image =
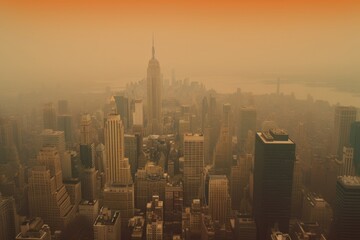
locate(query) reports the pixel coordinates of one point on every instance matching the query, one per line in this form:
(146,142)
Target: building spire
(153,47)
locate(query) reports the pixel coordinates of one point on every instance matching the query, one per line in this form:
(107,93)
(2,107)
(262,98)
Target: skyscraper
(247,122)
(223,149)
(154,96)
(273,177)
(117,168)
(138,114)
(47,194)
(344,117)
(347,209)
(107,225)
(7,218)
(218,198)
(50,137)
(119,188)
(49,116)
(64,123)
(193,166)
(347,164)
(355,144)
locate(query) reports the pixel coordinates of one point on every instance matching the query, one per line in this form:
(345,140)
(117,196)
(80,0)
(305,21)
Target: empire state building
(154,96)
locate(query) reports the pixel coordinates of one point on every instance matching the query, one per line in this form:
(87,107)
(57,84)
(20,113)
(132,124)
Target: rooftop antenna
(153,46)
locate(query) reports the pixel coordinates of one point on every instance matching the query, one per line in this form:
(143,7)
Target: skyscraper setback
(154,96)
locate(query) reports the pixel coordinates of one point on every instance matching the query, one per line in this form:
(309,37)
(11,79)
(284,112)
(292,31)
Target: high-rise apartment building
(273,178)
(218,198)
(193,166)
(344,117)
(154,96)
(346,220)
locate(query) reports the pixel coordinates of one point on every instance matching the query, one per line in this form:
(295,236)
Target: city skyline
(179,120)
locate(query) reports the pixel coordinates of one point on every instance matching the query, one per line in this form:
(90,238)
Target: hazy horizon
(62,42)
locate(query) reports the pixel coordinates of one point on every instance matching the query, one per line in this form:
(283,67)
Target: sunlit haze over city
(179,120)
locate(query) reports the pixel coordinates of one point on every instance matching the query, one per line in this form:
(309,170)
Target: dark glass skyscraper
(355,143)
(347,209)
(273,176)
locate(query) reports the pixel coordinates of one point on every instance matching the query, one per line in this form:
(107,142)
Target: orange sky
(106,38)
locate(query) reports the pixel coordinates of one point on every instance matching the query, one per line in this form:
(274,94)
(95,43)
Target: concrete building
(132,151)
(173,207)
(347,167)
(155,219)
(48,198)
(34,229)
(193,166)
(65,124)
(218,198)
(223,149)
(89,209)
(7,218)
(107,225)
(344,117)
(316,209)
(355,144)
(148,182)
(49,137)
(239,179)
(49,116)
(245,227)
(246,123)
(306,231)
(154,96)
(138,114)
(137,228)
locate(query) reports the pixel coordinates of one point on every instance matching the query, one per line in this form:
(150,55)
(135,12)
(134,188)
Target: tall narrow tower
(154,95)
(119,190)
(273,177)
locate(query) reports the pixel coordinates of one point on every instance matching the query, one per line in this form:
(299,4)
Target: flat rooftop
(275,136)
(350,181)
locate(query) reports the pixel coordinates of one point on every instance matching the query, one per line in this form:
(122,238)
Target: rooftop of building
(33,229)
(106,217)
(88,202)
(217,177)
(280,236)
(350,181)
(275,136)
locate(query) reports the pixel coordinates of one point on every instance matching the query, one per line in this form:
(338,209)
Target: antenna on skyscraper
(153,46)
